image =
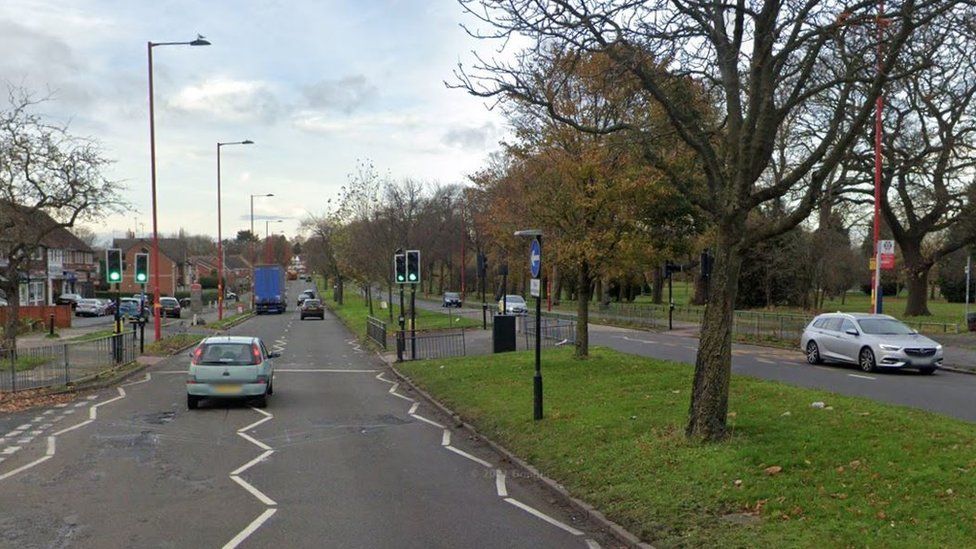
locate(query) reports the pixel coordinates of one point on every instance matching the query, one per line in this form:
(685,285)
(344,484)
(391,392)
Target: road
(944,392)
(342,457)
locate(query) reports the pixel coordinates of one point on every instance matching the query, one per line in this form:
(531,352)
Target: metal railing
(64,363)
(554,330)
(426,345)
(376,331)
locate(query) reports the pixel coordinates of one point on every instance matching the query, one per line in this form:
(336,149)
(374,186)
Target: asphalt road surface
(341,457)
(944,392)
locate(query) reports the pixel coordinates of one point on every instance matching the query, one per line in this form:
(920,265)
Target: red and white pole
(879,108)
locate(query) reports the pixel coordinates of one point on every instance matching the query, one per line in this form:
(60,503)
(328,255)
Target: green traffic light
(114,276)
(413,277)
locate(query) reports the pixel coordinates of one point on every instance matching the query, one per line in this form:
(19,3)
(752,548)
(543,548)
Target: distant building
(173,266)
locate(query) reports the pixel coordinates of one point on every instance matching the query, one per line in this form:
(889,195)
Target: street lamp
(220,238)
(200,41)
(535,262)
(267,238)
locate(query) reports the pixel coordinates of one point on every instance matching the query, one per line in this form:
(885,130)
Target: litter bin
(503,334)
(971,321)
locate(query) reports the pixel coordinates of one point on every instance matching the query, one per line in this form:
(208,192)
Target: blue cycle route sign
(535,258)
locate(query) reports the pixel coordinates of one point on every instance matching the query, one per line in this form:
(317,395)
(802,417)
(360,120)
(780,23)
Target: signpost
(535,266)
(885,260)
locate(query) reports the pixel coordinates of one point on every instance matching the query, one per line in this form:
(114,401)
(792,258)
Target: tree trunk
(583,312)
(700,289)
(557,286)
(713,364)
(916,279)
(389,300)
(657,286)
(9,343)
(369,298)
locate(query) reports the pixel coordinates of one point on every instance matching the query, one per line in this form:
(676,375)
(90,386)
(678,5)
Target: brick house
(172,264)
(62,263)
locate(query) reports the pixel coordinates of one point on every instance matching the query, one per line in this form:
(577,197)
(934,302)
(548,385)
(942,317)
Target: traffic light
(413,266)
(400,268)
(113,263)
(142,268)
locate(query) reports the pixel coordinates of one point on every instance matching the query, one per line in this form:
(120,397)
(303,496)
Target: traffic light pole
(413,322)
(400,338)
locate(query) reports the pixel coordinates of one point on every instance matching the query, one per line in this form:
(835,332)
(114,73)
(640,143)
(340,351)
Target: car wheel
(813,353)
(261,401)
(271,386)
(866,360)
(927,371)
(192,402)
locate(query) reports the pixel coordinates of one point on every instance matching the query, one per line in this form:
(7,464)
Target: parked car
(451,299)
(515,305)
(130,307)
(169,306)
(313,308)
(230,367)
(870,341)
(231,296)
(307,294)
(109,306)
(90,307)
(68,299)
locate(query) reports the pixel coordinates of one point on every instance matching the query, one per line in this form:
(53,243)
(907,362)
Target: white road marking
(430,421)
(23,427)
(91,397)
(251,463)
(37,418)
(469,456)
(765,361)
(80,404)
(10,450)
(24,440)
(543,516)
(408,399)
(62,405)
(25,467)
(380,377)
(251,528)
(500,483)
(446,438)
(254,491)
(36,432)
(414,408)
(47,412)
(12,434)
(253,425)
(254,441)
(93,411)
(590,544)
(859,376)
(50,446)
(73,427)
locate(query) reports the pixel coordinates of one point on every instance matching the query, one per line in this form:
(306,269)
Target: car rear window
(451,295)
(226,354)
(312,303)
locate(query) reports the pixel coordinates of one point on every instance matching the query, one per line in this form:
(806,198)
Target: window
(847,325)
(884,326)
(820,322)
(37,254)
(833,324)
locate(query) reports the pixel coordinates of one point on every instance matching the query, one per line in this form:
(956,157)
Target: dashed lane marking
(446,438)
(256,523)
(543,516)
(859,376)
(500,483)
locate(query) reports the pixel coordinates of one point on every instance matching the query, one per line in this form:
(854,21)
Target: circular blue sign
(535,258)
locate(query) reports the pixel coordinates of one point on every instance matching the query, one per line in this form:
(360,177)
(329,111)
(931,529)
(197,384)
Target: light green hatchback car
(230,367)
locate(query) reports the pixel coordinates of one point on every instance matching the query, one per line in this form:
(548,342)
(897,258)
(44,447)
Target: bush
(208,282)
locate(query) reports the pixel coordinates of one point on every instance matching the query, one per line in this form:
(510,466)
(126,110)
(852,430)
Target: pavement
(343,456)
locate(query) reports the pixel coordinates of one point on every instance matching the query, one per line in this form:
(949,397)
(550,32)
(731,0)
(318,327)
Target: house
(238,272)
(201,266)
(61,263)
(173,270)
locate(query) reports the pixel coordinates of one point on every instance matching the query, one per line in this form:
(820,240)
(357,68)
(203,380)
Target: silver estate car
(870,341)
(230,367)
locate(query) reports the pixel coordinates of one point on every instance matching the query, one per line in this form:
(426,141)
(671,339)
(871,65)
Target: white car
(513,305)
(90,307)
(869,341)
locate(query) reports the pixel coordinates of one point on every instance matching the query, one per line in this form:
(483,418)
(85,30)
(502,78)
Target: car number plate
(227,389)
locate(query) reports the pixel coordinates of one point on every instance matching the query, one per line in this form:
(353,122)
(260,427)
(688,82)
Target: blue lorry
(269,289)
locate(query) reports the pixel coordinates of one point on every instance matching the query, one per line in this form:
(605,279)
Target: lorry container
(269,289)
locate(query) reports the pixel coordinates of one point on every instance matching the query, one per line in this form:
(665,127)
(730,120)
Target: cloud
(324,123)
(343,95)
(231,100)
(40,61)
(471,137)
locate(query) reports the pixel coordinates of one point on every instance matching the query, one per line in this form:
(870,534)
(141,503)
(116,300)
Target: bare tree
(759,65)
(49,180)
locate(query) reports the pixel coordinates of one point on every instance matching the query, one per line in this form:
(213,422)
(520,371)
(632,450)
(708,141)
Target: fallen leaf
(774,470)
(839,495)
(738,482)
(882,515)
(949,492)
(840,469)
(855,464)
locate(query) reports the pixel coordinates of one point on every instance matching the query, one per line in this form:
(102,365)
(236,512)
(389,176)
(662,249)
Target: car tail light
(197,353)
(256,352)
(263,379)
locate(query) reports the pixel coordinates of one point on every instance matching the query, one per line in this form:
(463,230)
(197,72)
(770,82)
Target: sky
(317,85)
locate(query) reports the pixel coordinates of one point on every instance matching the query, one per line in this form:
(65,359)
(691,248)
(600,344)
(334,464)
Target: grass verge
(173,343)
(857,473)
(229,321)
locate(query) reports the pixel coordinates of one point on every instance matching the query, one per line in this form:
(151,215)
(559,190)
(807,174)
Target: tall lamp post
(535,263)
(220,238)
(200,41)
(267,238)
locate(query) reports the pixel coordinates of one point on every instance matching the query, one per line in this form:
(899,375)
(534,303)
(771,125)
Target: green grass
(229,321)
(172,344)
(861,474)
(91,336)
(24,363)
(354,312)
(942,311)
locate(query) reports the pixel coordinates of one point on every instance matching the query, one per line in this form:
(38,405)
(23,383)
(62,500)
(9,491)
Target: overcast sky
(317,84)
